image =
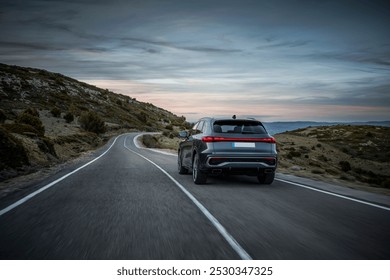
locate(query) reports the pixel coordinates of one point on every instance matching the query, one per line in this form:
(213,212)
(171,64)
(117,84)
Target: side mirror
(183,134)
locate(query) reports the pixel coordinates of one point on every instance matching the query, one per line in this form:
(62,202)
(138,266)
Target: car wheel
(266,178)
(198,176)
(180,167)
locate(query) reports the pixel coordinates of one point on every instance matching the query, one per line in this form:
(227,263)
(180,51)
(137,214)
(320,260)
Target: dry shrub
(12,152)
(30,117)
(90,121)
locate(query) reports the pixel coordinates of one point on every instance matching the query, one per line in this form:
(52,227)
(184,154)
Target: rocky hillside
(346,154)
(46,118)
(21,88)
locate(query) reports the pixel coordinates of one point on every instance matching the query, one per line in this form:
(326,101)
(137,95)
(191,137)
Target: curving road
(131,203)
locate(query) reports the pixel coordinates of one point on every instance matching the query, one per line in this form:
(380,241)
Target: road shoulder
(376,198)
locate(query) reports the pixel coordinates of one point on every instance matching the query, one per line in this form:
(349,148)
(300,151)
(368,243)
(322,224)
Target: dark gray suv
(232,146)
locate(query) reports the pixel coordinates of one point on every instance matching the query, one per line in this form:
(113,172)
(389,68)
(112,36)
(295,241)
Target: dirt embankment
(59,142)
(352,156)
(28,156)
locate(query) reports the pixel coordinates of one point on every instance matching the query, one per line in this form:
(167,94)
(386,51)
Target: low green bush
(56,112)
(293,154)
(12,152)
(34,121)
(3,116)
(90,121)
(150,141)
(69,117)
(32,111)
(386,184)
(47,146)
(21,128)
(345,166)
(323,158)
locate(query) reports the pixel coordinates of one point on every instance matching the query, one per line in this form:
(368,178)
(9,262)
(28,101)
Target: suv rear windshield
(239,126)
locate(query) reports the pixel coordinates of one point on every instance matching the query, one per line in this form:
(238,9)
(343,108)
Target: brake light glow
(209,139)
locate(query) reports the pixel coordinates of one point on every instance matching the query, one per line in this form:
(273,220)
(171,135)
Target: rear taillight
(208,139)
(212,139)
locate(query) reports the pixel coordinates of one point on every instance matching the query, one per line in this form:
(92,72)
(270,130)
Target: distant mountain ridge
(280,127)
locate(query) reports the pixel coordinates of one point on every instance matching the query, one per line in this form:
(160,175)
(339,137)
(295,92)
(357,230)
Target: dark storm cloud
(175,46)
(285,44)
(209,49)
(280,52)
(27,47)
(373,57)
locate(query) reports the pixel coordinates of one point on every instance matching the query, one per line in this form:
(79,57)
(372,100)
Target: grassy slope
(346,154)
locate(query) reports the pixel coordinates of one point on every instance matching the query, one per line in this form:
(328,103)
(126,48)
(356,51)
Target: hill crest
(22,87)
(47,118)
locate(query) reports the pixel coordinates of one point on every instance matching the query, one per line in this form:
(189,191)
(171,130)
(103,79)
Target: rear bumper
(250,165)
(216,161)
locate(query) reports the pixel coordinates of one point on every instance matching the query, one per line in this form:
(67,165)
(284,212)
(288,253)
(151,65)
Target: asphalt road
(122,206)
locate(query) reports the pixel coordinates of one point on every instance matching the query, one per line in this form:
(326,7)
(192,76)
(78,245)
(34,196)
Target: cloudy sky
(274,60)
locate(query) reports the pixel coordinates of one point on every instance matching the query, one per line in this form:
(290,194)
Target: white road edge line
(335,194)
(228,237)
(31,195)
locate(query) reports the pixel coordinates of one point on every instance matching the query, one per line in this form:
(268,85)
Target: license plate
(243,145)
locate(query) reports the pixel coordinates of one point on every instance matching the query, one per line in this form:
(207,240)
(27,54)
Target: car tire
(198,176)
(180,167)
(266,178)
